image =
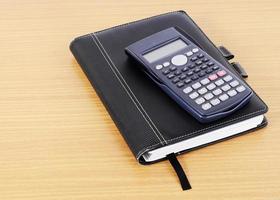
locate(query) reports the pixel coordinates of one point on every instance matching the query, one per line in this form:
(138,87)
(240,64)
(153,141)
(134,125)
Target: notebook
(151,123)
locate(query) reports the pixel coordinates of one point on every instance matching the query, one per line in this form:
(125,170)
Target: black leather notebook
(152,124)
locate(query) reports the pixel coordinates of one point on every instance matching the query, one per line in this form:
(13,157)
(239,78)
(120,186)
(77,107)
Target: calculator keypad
(201,79)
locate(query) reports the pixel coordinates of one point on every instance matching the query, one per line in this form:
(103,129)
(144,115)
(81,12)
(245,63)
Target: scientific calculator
(197,82)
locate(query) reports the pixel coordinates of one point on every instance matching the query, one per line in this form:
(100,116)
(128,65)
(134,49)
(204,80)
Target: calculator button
(170,76)
(179,60)
(226,87)
(204,81)
(196,85)
(228,78)
(206,106)
(210,63)
(183,76)
(195,50)
(166,64)
(158,67)
(194,77)
(193,95)
(217,91)
(215,67)
(165,72)
(221,73)
(198,62)
(240,88)
(202,90)
(189,53)
(208,96)
(173,68)
(180,84)
(213,77)
(208,71)
(200,55)
(211,86)
(196,70)
(175,80)
(200,100)
(232,93)
(185,69)
(201,74)
(190,73)
(223,97)
(194,58)
(177,73)
(187,81)
(192,66)
(219,82)
(234,83)
(205,60)
(215,102)
(187,90)
(203,66)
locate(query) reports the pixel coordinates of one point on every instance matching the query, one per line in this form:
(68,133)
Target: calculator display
(165,50)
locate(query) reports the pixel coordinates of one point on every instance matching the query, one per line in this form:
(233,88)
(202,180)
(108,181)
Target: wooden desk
(58,142)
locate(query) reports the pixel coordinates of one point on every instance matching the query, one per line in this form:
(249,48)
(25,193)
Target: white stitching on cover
(113,64)
(124,82)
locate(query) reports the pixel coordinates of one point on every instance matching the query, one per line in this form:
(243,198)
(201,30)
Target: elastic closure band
(179,171)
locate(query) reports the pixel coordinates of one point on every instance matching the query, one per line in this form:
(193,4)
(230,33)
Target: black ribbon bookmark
(179,171)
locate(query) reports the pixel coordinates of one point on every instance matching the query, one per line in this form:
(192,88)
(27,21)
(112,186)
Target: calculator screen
(165,50)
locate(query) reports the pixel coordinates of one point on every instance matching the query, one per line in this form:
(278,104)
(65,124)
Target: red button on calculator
(221,73)
(213,77)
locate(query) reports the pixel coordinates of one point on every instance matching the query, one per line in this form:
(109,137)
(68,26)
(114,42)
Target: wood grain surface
(58,142)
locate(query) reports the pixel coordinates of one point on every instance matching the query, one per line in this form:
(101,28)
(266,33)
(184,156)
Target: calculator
(196,81)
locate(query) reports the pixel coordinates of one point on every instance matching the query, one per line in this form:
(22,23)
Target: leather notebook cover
(147,117)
